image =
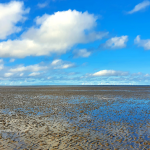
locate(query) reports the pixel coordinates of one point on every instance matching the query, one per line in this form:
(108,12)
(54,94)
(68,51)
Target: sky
(74,42)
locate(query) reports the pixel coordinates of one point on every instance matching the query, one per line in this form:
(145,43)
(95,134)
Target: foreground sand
(74,118)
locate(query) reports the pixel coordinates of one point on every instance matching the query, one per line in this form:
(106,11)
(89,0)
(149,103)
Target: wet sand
(75,118)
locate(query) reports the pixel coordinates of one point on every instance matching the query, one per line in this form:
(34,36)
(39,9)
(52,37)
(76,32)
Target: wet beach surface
(75,118)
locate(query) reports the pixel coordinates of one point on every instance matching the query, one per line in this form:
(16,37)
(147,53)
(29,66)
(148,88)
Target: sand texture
(75,118)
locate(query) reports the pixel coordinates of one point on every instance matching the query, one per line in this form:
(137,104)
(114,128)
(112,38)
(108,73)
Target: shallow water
(119,118)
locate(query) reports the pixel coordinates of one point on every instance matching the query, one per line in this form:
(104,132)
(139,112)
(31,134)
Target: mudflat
(75,118)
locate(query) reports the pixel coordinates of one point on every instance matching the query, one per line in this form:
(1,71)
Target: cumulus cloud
(136,74)
(140,6)
(42,5)
(56,64)
(110,73)
(49,78)
(65,66)
(81,53)
(34,68)
(12,60)
(55,33)
(1,60)
(142,43)
(147,75)
(21,74)
(1,66)
(116,42)
(10,14)
(34,74)
(60,64)
(8,74)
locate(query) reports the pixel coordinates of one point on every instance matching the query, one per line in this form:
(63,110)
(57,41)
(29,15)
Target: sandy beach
(75,118)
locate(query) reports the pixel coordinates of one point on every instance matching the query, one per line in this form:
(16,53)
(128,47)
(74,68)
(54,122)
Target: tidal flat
(75,118)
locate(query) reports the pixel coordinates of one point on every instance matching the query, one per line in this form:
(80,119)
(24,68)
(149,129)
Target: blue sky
(63,42)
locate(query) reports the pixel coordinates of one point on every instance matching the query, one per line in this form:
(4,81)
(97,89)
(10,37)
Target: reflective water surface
(85,117)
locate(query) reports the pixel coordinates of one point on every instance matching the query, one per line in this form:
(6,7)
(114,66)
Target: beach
(75,117)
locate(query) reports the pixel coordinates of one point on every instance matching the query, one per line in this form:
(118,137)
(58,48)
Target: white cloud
(65,66)
(60,64)
(42,5)
(142,43)
(56,62)
(10,14)
(147,75)
(1,66)
(12,60)
(81,53)
(35,68)
(49,78)
(8,74)
(116,42)
(21,74)
(1,60)
(55,33)
(34,74)
(137,74)
(140,6)
(110,73)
